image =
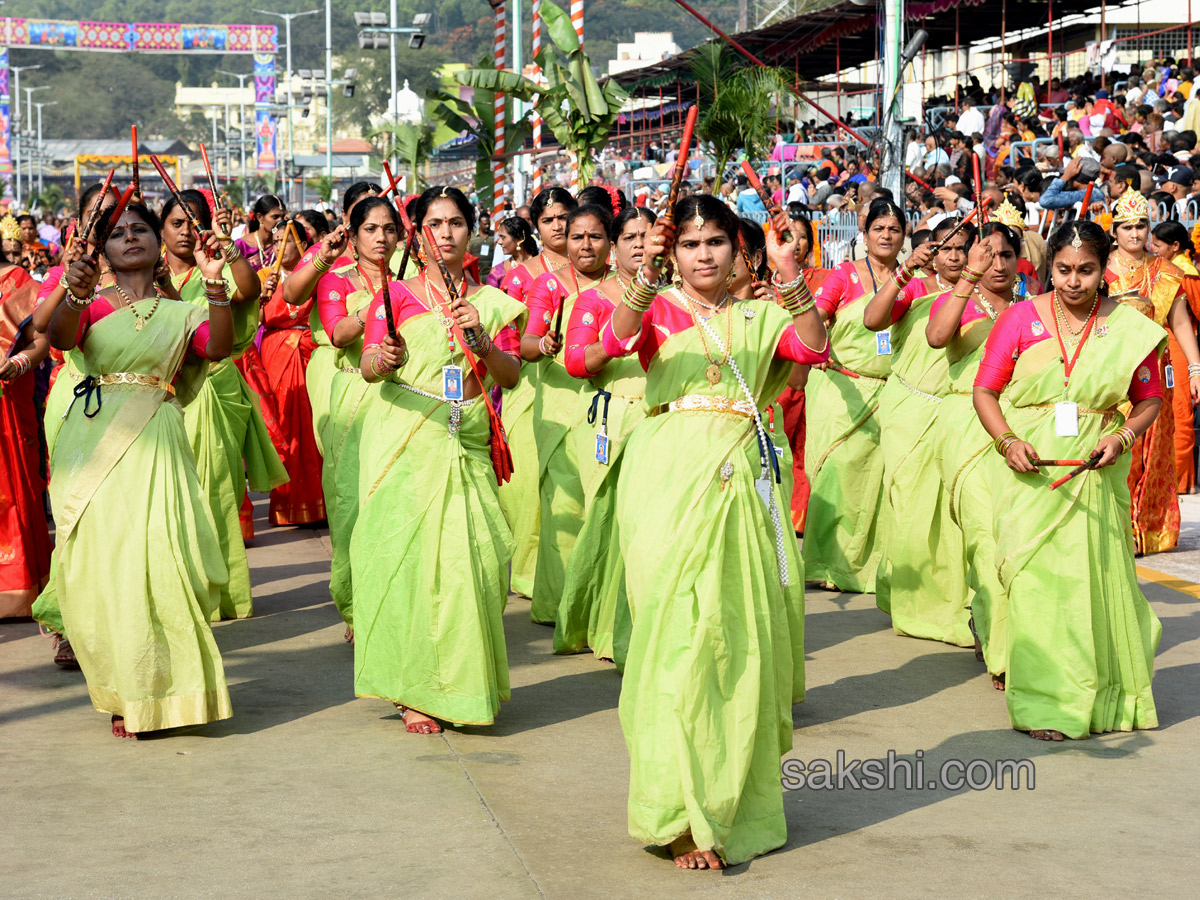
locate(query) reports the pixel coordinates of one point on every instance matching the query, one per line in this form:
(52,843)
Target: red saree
(1185,432)
(1152,479)
(24,536)
(287,346)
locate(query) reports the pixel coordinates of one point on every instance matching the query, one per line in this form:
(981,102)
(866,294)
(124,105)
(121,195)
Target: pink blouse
(543,298)
(971,312)
(590,314)
(100,307)
(331,293)
(665,319)
(1018,328)
(405,305)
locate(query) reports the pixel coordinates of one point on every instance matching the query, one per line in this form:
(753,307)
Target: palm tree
(577,109)
(736,104)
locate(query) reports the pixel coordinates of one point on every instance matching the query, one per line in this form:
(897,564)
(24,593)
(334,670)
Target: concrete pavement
(310,793)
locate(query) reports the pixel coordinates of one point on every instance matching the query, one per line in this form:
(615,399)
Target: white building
(647,47)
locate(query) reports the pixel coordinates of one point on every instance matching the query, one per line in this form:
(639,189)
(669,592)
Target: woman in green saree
(342,400)
(1081,636)
(715,585)
(594,611)
(140,568)
(431,547)
(921,580)
(224,423)
(558,407)
(843,542)
(960,321)
(520,497)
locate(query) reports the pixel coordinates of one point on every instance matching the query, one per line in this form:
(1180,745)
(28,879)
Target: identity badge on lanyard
(883,343)
(452,383)
(602,434)
(1066,412)
(1170,372)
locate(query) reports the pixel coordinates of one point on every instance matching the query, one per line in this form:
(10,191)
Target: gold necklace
(1142,268)
(983,304)
(713,372)
(139,321)
(1073,338)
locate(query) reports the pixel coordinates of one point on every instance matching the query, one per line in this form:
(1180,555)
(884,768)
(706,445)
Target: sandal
(63,654)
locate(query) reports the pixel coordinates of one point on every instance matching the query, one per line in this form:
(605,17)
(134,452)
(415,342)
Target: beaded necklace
(441,312)
(713,372)
(139,321)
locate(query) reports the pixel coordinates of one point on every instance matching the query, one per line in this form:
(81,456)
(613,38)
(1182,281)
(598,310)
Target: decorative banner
(6,168)
(138,37)
(265,126)
(264,131)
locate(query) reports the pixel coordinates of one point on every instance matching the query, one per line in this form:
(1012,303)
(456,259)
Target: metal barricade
(836,233)
(1032,145)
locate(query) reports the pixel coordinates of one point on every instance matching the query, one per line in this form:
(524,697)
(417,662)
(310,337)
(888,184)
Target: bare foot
(687,856)
(1046,734)
(418,723)
(118,728)
(349,630)
(998,681)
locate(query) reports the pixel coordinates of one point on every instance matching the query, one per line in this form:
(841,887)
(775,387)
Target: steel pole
(329,94)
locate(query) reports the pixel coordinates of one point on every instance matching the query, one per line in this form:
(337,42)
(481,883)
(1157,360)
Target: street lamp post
(287,18)
(241,114)
(16,128)
(41,149)
(228,161)
(29,129)
(329,93)
(216,175)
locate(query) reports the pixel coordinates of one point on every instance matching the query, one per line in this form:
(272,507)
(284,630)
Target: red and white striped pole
(577,21)
(498,112)
(537,120)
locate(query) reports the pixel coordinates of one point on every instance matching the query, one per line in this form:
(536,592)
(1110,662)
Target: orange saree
(1185,432)
(1152,290)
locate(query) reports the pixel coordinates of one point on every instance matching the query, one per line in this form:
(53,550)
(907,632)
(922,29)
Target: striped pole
(577,21)
(537,120)
(499,114)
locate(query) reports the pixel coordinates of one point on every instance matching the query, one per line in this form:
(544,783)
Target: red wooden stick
(1087,200)
(393,184)
(183,204)
(845,372)
(681,164)
(116,214)
(923,184)
(1078,470)
(1058,462)
(978,188)
(91,222)
(956,229)
(137,181)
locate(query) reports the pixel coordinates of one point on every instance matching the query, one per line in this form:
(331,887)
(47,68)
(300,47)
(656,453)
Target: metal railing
(1032,145)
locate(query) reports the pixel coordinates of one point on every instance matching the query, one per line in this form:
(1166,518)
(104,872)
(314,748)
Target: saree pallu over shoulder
(430,548)
(557,413)
(594,611)
(716,653)
(136,600)
(962,449)
(1081,636)
(922,579)
(843,543)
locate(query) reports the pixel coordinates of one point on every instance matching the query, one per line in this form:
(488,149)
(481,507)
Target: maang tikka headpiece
(1077,241)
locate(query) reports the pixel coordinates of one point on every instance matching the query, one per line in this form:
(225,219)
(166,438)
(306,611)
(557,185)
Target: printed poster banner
(6,168)
(265,125)
(137,37)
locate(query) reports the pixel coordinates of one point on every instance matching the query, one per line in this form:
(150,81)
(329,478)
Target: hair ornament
(1076,241)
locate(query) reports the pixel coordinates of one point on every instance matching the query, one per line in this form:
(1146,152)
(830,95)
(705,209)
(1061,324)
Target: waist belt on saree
(89,386)
(916,391)
(706,403)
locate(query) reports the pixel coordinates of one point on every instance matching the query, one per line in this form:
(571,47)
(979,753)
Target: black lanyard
(600,392)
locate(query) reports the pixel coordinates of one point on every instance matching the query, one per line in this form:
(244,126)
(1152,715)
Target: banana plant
(477,119)
(412,143)
(578,110)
